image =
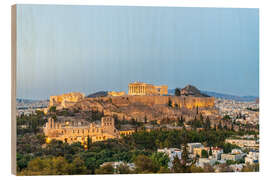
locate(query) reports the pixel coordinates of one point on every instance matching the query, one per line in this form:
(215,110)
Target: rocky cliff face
(66,100)
(149,107)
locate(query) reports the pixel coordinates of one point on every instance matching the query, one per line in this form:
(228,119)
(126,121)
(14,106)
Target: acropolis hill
(143,101)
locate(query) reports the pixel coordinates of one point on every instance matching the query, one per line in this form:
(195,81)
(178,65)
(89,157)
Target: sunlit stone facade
(79,130)
(114,93)
(139,88)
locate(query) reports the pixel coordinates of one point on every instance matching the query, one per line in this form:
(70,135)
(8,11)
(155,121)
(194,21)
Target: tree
(22,161)
(227,147)
(160,158)
(145,119)
(47,166)
(89,141)
(52,109)
(177,165)
(106,169)
(78,167)
(251,168)
(226,117)
(164,170)
(91,163)
(215,127)
(181,166)
(219,126)
(177,92)
(170,102)
(201,117)
(145,165)
(210,151)
(204,154)
(123,169)
(180,121)
(232,127)
(207,123)
(195,169)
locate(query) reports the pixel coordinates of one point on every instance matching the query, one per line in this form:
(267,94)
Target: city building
(172,153)
(252,157)
(203,161)
(216,152)
(139,88)
(126,132)
(237,151)
(232,157)
(191,146)
(197,151)
(250,143)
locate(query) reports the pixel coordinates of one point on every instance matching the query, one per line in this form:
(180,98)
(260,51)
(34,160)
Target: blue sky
(91,48)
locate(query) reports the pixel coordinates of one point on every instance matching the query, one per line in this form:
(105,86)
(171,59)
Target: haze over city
(87,49)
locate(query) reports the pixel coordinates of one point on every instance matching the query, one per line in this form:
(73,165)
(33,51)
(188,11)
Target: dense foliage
(34,157)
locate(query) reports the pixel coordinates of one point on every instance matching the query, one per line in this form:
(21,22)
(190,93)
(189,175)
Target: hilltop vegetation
(34,157)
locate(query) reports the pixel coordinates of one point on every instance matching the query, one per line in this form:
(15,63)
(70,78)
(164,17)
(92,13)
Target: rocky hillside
(98,94)
(190,90)
(149,107)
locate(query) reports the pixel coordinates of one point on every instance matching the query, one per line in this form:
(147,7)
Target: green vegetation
(34,157)
(227,147)
(52,109)
(255,109)
(226,117)
(204,154)
(31,123)
(177,92)
(170,103)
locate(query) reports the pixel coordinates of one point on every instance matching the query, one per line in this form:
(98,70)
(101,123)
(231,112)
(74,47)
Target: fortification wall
(188,102)
(66,100)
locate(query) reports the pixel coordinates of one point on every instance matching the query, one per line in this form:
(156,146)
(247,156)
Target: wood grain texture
(13,87)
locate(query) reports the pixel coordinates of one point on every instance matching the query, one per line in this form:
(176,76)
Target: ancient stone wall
(69,133)
(66,100)
(187,102)
(152,107)
(114,93)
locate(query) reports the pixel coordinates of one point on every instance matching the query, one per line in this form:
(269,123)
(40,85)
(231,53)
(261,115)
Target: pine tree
(177,166)
(145,119)
(210,151)
(207,123)
(89,141)
(177,92)
(219,126)
(170,103)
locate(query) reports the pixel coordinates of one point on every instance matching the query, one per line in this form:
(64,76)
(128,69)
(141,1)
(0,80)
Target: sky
(63,49)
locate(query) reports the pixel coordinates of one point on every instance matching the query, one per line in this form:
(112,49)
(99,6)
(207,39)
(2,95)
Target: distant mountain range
(223,96)
(21,100)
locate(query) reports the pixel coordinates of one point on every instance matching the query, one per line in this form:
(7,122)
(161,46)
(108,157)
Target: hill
(98,94)
(190,90)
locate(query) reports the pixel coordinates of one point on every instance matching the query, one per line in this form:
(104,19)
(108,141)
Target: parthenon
(139,88)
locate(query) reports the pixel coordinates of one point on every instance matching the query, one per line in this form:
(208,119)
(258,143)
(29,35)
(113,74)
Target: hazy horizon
(87,49)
